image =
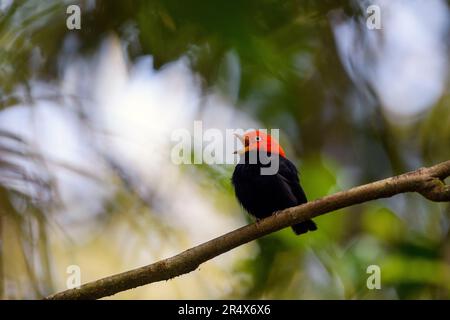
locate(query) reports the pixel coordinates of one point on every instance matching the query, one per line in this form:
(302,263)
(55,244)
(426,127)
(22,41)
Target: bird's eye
(258,138)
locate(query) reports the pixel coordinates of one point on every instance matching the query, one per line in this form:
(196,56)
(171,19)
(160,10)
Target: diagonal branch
(429,182)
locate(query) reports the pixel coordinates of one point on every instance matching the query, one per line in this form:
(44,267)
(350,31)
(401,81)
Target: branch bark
(429,182)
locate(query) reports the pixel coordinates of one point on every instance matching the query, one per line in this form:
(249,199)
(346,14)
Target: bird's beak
(244,142)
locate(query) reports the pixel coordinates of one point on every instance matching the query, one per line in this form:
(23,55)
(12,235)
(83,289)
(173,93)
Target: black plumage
(262,195)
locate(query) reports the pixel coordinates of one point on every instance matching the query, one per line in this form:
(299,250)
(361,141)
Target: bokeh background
(86,118)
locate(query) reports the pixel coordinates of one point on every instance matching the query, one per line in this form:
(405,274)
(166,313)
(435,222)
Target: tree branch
(429,182)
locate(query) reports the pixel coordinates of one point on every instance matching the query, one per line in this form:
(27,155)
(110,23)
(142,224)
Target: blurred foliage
(276,61)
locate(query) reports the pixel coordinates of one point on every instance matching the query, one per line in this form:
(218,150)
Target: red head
(260,141)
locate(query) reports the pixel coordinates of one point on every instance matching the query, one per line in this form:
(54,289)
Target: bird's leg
(258,221)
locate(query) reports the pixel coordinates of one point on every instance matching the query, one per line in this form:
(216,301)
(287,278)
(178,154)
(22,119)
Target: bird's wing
(288,173)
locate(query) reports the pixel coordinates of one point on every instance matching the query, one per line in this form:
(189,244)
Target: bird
(261,195)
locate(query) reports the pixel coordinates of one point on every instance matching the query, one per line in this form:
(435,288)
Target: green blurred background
(86,118)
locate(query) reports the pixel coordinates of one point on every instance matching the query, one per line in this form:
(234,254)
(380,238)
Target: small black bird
(262,195)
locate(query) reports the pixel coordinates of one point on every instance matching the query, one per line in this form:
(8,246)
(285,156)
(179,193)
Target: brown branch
(429,182)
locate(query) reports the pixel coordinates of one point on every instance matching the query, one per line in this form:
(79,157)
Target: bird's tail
(304,227)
